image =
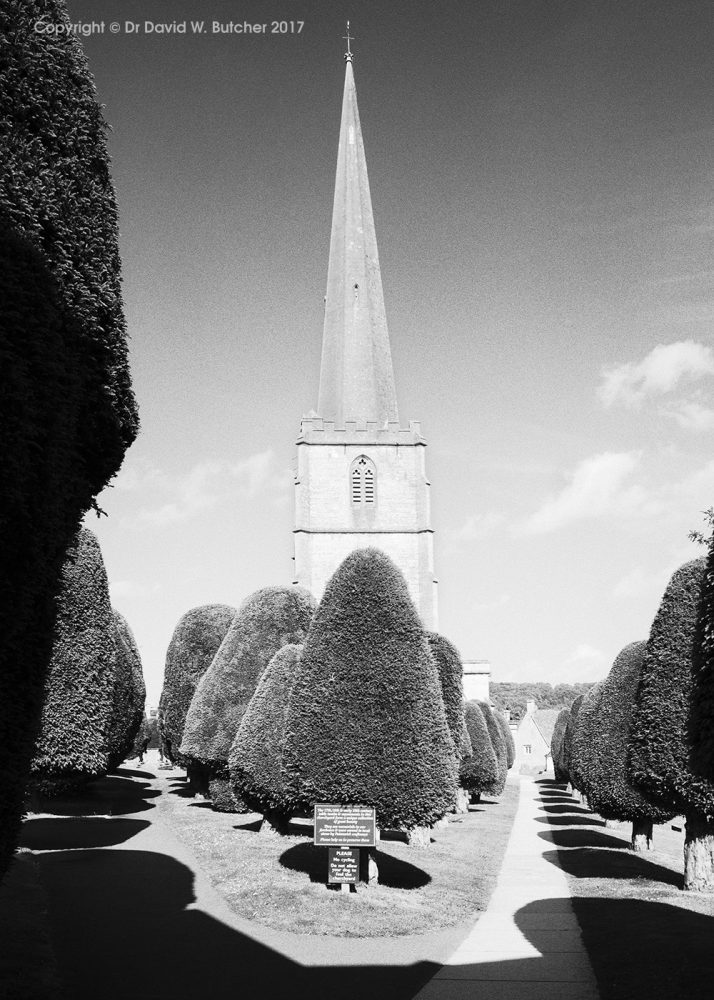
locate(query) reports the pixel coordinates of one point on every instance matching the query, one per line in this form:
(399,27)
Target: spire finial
(348,38)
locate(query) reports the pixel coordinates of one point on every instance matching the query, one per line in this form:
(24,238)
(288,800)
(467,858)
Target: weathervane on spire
(348,38)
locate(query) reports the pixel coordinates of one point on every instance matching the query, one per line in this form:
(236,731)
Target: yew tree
(663,740)
(366,722)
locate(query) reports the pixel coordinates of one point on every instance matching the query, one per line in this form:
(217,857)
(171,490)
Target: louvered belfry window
(363,481)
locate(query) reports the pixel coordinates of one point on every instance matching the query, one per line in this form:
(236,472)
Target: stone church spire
(356,375)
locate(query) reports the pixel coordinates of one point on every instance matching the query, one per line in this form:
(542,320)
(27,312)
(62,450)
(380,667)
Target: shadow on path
(582,838)
(77,833)
(113,795)
(133,905)
(641,950)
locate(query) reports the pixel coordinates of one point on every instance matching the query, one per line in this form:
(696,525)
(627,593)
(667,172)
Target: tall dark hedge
(603,766)
(568,737)
(255,761)
(266,621)
(67,413)
(195,641)
(366,722)
(478,772)
(499,746)
(660,745)
(73,738)
(702,713)
(451,672)
(128,695)
(556,746)
(502,724)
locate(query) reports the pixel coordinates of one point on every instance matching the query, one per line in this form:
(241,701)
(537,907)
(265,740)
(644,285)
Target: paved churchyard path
(528,945)
(132,917)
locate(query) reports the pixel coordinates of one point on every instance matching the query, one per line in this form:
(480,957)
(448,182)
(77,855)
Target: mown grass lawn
(281,881)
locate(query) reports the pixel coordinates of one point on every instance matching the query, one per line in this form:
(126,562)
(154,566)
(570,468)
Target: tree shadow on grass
(393,872)
(571,819)
(108,796)
(560,810)
(596,862)
(76,833)
(582,838)
(252,827)
(131,934)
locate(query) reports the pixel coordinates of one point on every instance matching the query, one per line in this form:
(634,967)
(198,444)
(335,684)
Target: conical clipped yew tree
(266,621)
(502,723)
(499,747)
(72,744)
(478,771)
(662,727)
(67,413)
(603,758)
(366,722)
(568,737)
(451,671)
(702,727)
(256,764)
(585,723)
(195,641)
(556,746)
(128,695)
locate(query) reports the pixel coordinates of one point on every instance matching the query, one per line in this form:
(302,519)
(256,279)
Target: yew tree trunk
(275,822)
(641,835)
(369,871)
(699,853)
(462,801)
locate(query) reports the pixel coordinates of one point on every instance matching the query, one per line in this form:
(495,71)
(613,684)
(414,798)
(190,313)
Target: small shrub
(557,746)
(502,724)
(499,746)
(479,771)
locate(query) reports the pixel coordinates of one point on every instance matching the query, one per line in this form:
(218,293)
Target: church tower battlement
(361,477)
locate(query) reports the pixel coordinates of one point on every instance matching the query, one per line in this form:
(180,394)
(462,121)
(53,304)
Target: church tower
(361,477)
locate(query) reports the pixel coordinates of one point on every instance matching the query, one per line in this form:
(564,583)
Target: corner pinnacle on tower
(356,374)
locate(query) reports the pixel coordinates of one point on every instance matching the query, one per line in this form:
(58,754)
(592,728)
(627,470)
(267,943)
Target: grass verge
(281,881)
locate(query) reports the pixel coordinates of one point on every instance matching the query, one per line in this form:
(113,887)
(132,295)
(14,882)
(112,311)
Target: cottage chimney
(530,707)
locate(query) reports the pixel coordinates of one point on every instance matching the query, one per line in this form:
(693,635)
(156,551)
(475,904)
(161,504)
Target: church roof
(356,375)
(544,719)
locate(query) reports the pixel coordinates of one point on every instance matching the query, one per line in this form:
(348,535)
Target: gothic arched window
(363,481)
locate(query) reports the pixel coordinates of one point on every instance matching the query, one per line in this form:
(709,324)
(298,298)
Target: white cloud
(208,484)
(692,416)
(498,602)
(597,488)
(478,526)
(660,372)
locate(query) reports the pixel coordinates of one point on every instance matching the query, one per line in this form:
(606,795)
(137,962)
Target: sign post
(345,830)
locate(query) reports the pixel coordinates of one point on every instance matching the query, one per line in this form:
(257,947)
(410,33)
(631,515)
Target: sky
(541,176)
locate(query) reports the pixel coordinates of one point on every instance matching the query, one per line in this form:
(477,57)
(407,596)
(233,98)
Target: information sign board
(343,864)
(344,826)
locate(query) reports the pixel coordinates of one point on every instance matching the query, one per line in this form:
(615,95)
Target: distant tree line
(510,696)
